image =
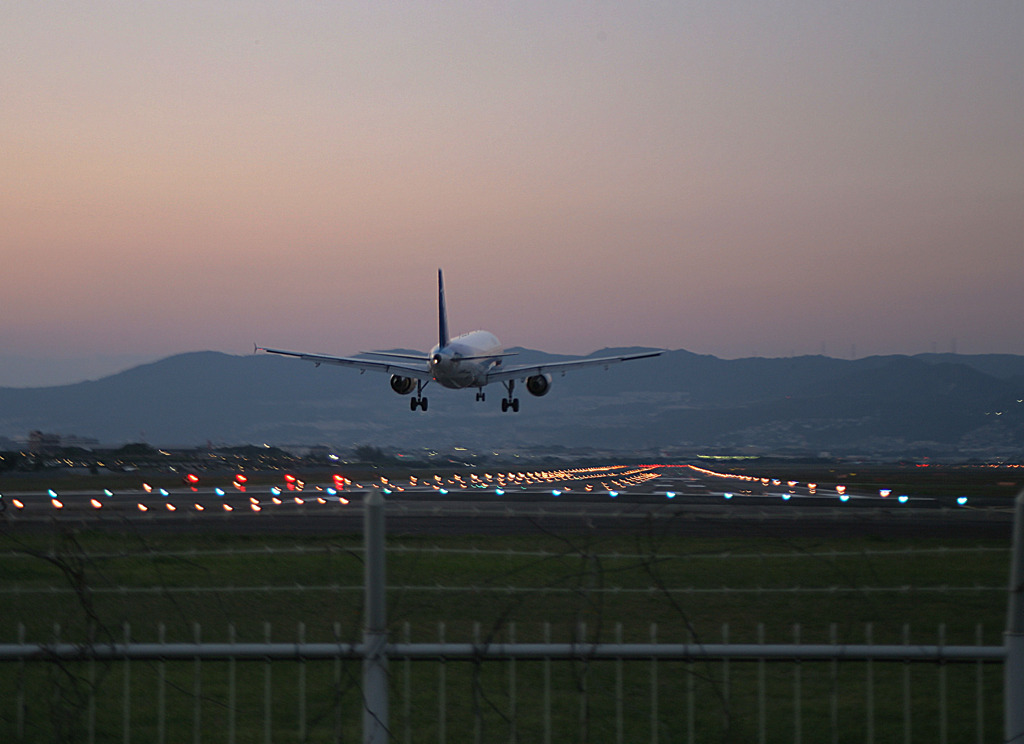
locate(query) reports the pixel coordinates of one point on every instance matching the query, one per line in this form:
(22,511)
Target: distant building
(43,444)
(40,443)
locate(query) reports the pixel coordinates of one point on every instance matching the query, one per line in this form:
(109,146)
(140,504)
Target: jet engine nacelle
(402,385)
(538,384)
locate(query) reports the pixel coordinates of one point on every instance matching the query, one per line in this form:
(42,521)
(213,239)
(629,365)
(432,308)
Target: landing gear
(418,401)
(510,401)
(481,395)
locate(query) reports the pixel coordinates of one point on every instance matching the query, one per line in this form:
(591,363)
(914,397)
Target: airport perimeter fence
(505,682)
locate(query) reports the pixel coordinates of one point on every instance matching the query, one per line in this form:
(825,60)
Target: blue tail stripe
(442,312)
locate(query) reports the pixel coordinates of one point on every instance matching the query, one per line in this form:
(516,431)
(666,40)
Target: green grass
(541,583)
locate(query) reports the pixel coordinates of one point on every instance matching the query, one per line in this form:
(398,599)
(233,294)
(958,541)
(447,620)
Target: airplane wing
(419,372)
(528,370)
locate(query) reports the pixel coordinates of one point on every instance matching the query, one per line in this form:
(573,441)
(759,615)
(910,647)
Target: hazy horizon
(28,372)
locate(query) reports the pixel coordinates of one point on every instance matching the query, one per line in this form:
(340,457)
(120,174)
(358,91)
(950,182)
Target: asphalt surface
(660,502)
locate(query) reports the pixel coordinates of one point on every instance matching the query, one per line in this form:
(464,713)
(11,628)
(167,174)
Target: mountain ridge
(885,405)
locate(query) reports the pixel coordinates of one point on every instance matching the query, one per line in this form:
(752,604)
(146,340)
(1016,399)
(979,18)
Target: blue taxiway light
(961,501)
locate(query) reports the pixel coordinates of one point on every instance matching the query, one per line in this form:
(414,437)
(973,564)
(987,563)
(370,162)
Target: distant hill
(929,404)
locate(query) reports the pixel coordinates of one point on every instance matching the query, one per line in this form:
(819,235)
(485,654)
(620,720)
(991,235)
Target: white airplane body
(472,359)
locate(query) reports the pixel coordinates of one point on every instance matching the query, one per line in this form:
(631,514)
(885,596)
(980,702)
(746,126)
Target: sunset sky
(734,178)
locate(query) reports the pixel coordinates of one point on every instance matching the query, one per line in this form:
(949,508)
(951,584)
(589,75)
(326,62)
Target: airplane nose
(436,359)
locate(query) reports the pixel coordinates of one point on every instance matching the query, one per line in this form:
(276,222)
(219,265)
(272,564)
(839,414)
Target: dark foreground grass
(74,585)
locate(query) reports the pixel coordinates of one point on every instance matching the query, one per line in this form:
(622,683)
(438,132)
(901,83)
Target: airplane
(471,360)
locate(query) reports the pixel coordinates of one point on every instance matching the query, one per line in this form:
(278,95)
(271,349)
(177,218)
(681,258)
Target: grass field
(74,585)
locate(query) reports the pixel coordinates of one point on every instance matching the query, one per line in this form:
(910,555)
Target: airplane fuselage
(465,360)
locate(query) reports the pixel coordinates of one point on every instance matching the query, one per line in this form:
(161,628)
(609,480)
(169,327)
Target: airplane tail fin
(442,311)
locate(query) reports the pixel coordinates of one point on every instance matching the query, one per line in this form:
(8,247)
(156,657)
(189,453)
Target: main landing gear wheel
(418,401)
(510,401)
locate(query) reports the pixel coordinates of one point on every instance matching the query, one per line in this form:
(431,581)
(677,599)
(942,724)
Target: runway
(650,500)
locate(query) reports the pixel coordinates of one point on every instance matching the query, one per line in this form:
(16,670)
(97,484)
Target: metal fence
(510,691)
(488,689)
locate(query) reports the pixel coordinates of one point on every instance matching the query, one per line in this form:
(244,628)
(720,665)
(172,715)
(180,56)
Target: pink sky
(731,178)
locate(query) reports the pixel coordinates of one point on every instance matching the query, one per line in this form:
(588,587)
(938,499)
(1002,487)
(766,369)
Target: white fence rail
(485,690)
(757,691)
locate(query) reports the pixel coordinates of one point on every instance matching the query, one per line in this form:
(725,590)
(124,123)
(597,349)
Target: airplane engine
(538,384)
(402,385)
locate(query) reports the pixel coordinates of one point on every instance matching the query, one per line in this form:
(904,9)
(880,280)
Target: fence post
(375,662)
(1013,700)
